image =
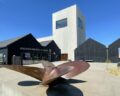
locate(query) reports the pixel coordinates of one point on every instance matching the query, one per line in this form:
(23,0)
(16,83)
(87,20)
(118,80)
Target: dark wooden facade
(54,52)
(91,50)
(25,48)
(114,51)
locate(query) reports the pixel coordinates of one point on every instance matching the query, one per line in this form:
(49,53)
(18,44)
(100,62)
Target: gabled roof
(91,40)
(45,43)
(10,41)
(115,42)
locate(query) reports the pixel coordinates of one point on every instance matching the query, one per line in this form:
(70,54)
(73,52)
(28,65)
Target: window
(61,23)
(80,24)
(27,55)
(1,58)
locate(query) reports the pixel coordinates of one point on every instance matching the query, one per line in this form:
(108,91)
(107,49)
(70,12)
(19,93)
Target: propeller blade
(50,72)
(78,67)
(55,73)
(31,71)
(47,64)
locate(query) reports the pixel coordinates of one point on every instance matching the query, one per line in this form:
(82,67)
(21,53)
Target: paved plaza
(96,81)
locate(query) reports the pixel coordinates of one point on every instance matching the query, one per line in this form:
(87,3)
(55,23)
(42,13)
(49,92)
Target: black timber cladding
(19,47)
(28,49)
(91,50)
(113,51)
(54,51)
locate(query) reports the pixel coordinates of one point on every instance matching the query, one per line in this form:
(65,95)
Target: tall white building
(68,30)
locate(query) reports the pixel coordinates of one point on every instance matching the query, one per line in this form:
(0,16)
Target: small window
(27,55)
(61,23)
(1,58)
(80,24)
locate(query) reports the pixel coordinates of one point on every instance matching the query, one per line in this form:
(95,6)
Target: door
(64,57)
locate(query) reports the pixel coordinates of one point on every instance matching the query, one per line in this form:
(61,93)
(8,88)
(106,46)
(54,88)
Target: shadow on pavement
(62,87)
(28,83)
(64,90)
(66,81)
(75,81)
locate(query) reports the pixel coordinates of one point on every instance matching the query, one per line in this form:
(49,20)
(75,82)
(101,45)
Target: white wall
(81,35)
(68,38)
(45,39)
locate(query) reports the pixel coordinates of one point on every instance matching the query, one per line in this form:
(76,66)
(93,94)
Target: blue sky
(19,17)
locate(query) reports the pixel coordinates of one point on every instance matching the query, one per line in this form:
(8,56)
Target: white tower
(68,30)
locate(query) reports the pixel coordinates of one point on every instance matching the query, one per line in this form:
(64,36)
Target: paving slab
(96,81)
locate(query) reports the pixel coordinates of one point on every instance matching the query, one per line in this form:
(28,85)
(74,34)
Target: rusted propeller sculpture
(50,72)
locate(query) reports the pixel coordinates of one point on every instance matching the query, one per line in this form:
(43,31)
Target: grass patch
(114,71)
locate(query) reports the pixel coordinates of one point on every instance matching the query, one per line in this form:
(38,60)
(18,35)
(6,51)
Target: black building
(54,52)
(114,51)
(91,50)
(18,50)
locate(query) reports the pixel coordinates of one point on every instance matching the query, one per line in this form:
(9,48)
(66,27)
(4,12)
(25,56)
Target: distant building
(26,50)
(114,51)
(54,52)
(91,50)
(45,39)
(68,30)
(20,48)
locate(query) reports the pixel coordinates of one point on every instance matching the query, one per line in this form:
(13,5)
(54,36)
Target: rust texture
(50,72)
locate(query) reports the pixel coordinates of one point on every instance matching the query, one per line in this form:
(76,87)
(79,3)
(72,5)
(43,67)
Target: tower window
(80,24)
(61,23)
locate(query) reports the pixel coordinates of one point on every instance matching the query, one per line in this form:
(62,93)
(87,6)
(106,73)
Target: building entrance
(64,57)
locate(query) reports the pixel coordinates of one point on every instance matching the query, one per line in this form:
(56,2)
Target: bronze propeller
(50,72)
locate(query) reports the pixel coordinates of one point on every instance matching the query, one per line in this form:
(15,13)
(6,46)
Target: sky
(20,17)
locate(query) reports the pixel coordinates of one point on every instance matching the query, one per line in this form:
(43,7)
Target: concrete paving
(94,82)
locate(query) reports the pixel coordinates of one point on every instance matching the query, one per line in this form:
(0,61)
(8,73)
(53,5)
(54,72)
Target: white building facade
(68,26)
